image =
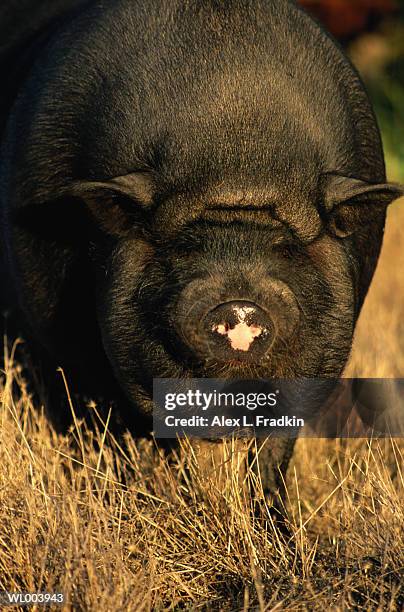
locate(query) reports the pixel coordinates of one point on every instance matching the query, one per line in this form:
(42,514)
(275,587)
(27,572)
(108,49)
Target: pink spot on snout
(242,335)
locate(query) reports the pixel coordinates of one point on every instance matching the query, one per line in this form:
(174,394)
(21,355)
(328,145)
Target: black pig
(188,188)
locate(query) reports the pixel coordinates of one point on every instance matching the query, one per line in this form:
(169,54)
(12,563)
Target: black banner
(323,408)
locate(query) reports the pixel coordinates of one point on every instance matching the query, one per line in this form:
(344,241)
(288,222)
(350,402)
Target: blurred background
(372,32)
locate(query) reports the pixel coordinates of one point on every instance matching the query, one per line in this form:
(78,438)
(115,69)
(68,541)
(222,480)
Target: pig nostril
(237,328)
(222,328)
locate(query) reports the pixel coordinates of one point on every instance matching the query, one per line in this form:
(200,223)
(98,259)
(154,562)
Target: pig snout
(238,328)
(230,329)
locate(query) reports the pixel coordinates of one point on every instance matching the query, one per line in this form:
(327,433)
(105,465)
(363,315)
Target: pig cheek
(117,312)
(329,257)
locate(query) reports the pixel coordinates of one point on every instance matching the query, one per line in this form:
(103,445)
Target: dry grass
(378,349)
(115,525)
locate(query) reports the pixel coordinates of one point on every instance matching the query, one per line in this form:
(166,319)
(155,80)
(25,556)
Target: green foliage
(385,83)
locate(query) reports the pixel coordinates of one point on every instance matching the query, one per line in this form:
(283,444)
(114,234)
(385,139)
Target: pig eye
(347,218)
(288,249)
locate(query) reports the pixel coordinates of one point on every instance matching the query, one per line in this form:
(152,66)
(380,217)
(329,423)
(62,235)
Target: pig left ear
(350,204)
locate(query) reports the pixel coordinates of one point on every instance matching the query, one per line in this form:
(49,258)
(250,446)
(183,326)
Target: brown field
(115,526)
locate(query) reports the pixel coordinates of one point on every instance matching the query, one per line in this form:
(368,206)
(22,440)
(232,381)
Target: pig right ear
(119,203)
(115,205)
(48,246)
(350,203)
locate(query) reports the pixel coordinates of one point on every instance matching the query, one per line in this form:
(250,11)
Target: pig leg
(225,463)
(271,466)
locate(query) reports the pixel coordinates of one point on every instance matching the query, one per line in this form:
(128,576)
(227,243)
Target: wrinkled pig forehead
(281,208)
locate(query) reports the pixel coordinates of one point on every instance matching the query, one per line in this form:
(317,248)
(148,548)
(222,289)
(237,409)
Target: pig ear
(115,205)
(350,204)
(138,186)
(49,244)
(119,203)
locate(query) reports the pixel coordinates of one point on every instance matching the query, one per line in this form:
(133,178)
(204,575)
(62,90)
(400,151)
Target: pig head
(192,189)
